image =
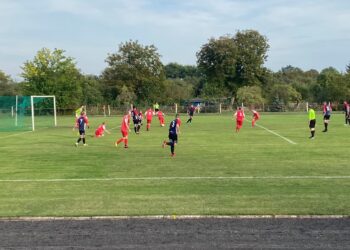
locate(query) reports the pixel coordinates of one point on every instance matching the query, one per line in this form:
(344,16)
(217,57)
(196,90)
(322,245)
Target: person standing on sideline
(312,122)
(174,130)
(82,122)
(149,117)
(190,113)
(124,128)
(239,118)
(346,109)
(256,116)
(327,110)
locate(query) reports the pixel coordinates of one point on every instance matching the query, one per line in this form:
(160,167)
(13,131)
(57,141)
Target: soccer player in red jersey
(161,118)
(178,120)
(149,116)
(81,123)
(256,116)
(239,118)
(124,128)
(100,130)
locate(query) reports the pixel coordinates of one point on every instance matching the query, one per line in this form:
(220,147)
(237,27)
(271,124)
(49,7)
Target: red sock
(120,140)
(126,142)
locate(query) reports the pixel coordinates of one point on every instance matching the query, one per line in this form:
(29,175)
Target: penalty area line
(272,132)
(15,134)
(181,178)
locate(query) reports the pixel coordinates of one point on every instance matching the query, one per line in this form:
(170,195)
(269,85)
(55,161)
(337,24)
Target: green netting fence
(16,113)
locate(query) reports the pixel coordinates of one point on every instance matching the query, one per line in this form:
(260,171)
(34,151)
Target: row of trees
(228,67)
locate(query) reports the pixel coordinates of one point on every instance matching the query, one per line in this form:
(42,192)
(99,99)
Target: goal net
(21,113)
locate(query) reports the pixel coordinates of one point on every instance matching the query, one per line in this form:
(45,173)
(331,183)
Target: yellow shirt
(312,115)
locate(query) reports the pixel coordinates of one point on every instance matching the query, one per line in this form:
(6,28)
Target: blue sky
(310,34)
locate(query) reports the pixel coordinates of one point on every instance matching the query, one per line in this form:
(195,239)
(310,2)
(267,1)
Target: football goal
(20,113)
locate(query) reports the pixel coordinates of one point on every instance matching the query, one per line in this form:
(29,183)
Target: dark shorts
(173,137)
(326,117)
(81,132)
(312,123)
(136,122)
(191,114)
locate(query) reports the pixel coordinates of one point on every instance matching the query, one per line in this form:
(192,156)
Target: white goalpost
(33,110)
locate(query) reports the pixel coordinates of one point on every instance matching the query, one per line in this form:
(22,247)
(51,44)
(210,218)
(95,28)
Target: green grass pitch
(215,171)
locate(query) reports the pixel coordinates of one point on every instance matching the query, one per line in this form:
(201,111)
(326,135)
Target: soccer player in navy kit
(135,118)
(190,112)
(174,130)
(327,110)
(82,123)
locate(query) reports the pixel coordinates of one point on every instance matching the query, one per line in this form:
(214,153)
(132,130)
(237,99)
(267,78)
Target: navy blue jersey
(191,110)
(82,122)
(172,127)
(134,114)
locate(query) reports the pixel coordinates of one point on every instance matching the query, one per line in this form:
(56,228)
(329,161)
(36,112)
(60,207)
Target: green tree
(7,85)
(177,90)
(126,97)
(298,79)
(175,70)
(138,68)
(251,55)
(331,86)
(284,93)
(250,95)
(217,60)
(231,62)
(52,73)
(91,90)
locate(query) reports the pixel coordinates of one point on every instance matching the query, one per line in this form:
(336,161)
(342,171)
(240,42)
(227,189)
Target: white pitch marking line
(272,132)
(181,178)
(15,134)
(173,217)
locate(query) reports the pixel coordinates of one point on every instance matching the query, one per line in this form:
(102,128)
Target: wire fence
(106,110)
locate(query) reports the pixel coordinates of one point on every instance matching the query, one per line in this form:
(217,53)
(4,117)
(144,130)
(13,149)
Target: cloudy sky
(310,34)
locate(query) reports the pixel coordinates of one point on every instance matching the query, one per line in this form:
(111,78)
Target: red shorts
(97,134)
(149,121)
(125,133)
(239,124)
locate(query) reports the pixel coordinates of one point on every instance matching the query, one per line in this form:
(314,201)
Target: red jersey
(327,109)
(100,129)
(240,115)
(160,114)
(256,115)
(125,123)
(178,121)
(149,114)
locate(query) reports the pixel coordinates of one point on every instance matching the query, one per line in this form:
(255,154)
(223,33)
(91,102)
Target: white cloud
(298,31)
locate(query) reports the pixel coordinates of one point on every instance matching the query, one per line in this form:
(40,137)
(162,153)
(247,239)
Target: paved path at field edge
(175,233)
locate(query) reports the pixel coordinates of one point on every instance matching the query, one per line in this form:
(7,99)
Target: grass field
(269,170)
